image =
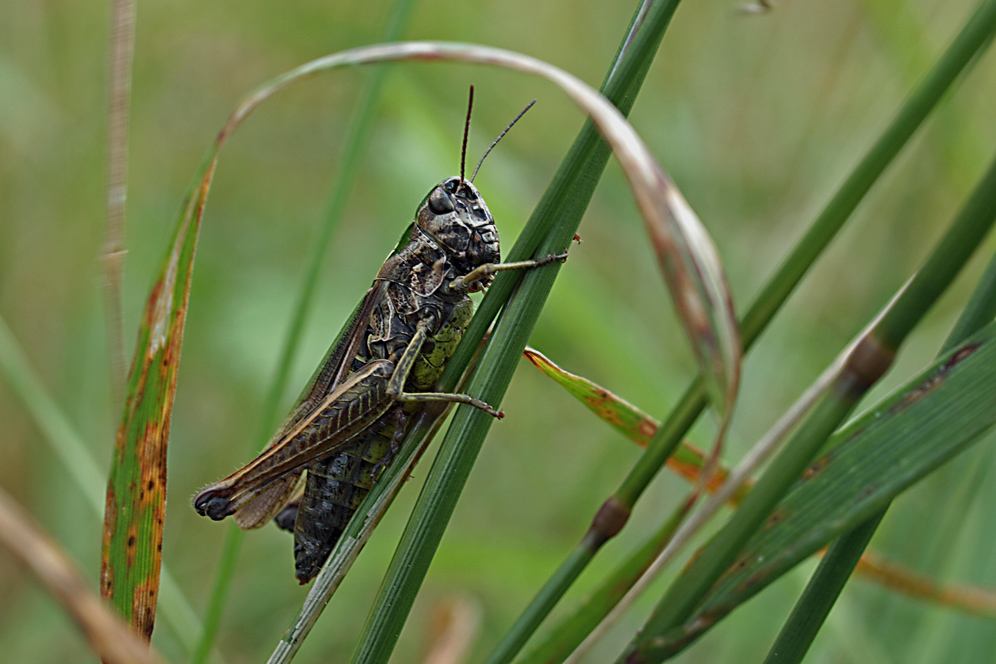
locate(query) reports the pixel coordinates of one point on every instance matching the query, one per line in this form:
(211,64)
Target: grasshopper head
(458,219)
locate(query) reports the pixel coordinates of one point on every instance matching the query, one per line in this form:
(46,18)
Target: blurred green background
(757,117)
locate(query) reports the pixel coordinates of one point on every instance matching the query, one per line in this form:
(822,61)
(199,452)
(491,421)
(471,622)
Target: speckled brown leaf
(632,422)
(136,491)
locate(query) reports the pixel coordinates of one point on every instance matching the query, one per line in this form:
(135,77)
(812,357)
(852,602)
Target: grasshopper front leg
(482,272)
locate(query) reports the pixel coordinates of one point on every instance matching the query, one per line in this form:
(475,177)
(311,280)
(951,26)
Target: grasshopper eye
(440,202)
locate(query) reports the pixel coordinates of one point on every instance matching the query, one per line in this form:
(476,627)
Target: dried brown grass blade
(108,636)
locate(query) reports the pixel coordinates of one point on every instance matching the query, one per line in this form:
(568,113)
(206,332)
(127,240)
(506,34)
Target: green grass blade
(358,137)
(550,228)
(56,428)
(835,569)
(919,427)
(821,593)
(981,308)
(870,359)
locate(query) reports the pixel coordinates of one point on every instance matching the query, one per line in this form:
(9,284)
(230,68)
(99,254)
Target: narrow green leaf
(919,427)
(631,422)
(550,229)
(822,591)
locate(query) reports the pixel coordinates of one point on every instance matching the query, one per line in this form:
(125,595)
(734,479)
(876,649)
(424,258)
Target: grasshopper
(375,379)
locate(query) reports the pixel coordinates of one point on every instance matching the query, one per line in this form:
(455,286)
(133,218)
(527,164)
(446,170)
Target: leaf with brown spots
(687,460)
(136,490)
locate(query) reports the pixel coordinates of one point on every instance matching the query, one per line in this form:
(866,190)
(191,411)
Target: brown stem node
(868,362)
(609,520)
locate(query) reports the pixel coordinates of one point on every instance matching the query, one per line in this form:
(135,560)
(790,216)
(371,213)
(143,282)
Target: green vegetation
(760,119)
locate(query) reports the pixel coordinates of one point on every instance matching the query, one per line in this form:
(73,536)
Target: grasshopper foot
(486,407)
(208,503)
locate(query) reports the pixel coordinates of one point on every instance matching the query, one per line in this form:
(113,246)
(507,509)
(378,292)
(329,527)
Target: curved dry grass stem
(686,254)
(109,637)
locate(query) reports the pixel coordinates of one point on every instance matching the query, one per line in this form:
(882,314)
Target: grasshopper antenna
(466,133)
(488,151)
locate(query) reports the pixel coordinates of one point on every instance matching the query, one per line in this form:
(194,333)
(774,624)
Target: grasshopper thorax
(455,216)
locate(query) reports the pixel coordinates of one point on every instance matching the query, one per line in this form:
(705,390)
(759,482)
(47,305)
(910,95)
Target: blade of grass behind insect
(869,361)
(833,572)
(72,452)
(556,218)
(358,137)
